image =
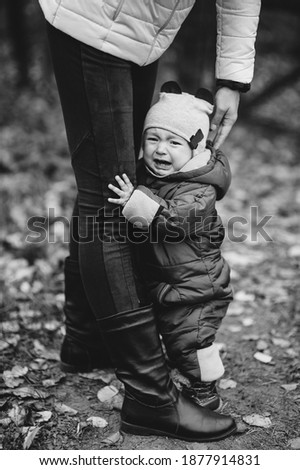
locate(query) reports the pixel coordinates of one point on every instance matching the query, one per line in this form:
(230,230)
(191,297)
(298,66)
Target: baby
(180,179)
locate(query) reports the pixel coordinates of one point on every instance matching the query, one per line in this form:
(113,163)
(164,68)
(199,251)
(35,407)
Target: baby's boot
(204,394)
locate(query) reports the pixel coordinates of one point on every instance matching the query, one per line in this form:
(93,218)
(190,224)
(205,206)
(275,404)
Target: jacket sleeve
(237,22)
(181,216)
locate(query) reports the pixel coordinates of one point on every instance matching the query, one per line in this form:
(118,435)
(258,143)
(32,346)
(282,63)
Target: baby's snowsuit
(181,258)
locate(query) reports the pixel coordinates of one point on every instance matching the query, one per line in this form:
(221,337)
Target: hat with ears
(184,114)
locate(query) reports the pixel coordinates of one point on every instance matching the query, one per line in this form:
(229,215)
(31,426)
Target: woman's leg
(82,348)
(96,92)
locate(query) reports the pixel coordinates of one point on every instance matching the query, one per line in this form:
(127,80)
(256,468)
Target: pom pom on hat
(184,114)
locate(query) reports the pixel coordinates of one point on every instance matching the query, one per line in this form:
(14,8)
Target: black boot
(82,348)
(152,404)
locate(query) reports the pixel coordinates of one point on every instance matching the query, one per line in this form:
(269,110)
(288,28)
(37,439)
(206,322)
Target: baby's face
(164,151)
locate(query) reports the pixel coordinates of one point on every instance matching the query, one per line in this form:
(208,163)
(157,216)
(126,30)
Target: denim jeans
(104,101)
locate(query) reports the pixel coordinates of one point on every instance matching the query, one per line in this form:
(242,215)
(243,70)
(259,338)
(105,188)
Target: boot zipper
(162,28)
(118,9)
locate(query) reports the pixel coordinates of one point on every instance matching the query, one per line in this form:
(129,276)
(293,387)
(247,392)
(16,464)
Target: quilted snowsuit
(188,278)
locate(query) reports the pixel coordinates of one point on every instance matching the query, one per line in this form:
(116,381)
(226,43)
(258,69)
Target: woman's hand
(226,113)
(125,191)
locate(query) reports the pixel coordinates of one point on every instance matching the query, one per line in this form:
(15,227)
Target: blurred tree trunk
(289,5)
(18,32)
(197,47)
(191,58)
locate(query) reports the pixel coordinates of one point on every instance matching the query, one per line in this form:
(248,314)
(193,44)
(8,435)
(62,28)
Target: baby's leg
(189,333)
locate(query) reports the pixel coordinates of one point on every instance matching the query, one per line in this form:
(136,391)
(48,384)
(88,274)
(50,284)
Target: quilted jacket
(140,31)
(180,254)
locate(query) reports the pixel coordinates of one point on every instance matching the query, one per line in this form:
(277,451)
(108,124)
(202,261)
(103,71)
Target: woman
(105,60)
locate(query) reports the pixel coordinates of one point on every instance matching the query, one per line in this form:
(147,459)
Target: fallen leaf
(117,384)
(10,380)
(295,443)
(80,426)
(52,325)
(241,259)
(53,381)
(197,446)
(5,422)
(43,416)
(17,414)
(25,287)
(241,427)
(291,352)
(37,364)
(283,343)
(117,402)
(97,422)
(49,382)
(221,346)
(113,439)
(35,326)
(3,402)
(224,384)
(250,337)
(261,357)
(261,345)
(19,270)
(60,298)
(19,371)
(30,435)
(41,351)
(29,313)
(25,392)
(258,420)
(234,328)
(247,321)
(37,287)
(289,387)
(294,251)
(242,296)
(107,377)
(106,393)
(10,326)
(235,309)
(3,345)
(62,408)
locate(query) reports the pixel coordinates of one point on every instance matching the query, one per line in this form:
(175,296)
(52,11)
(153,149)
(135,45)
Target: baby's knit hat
(184,114)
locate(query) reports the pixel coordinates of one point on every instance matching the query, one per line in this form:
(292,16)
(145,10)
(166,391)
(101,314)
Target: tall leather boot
(83,348)
(152,404)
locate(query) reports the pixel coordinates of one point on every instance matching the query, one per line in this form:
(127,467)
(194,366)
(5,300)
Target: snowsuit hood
(216,173)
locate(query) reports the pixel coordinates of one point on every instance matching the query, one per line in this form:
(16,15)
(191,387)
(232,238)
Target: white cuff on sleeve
(141,209)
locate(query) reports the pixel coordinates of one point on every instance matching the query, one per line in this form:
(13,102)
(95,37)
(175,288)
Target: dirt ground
(259,338)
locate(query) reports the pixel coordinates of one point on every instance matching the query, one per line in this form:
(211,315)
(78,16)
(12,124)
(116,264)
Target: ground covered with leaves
(44,408)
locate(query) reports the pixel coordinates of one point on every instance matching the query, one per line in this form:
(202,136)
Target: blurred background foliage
(190,60)
(33,151)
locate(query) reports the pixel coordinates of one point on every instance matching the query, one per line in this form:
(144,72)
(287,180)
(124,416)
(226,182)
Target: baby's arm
(186,211)
(140,206)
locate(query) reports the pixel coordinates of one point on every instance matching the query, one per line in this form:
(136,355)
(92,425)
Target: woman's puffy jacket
(140,31)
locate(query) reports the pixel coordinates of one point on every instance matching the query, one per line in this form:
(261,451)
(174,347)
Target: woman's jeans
(104,101)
